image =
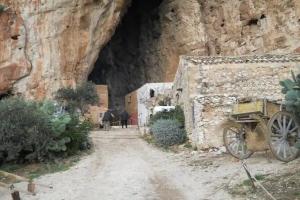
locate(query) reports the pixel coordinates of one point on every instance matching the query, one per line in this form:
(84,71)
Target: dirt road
(124,167)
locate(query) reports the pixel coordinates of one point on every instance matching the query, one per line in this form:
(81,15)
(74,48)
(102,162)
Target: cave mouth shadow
(120,64)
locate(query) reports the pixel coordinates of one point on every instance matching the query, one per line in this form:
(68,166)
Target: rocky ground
(123,166)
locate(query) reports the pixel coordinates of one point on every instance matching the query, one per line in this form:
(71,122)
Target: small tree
(80,97)
(87,95)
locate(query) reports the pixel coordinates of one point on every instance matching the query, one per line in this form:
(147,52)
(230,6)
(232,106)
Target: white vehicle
(163,109)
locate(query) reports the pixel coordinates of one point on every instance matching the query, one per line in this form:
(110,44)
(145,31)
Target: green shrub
(78,132)
(25,131)
(167,132)
(59,122)
(291,89)
(31,131)
(176,114)
(2,8)
(69,134)
(59,126)
(79,98)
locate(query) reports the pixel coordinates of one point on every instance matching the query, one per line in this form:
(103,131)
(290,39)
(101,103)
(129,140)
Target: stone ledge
(267,58)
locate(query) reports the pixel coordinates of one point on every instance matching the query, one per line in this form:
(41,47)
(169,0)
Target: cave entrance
(119,65)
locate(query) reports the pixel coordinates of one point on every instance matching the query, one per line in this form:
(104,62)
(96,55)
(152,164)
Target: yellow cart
(261,125)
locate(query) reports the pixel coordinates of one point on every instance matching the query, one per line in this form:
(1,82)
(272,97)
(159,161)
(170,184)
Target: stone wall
(211,85)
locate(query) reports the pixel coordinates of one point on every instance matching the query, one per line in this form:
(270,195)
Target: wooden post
(250,177)
(31,187)
(15,195)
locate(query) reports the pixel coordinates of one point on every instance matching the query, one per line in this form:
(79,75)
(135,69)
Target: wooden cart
(261,125)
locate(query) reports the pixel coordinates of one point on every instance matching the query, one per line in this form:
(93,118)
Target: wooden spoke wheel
(283,136)
(234,136)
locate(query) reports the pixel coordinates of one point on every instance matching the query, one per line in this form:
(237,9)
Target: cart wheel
(283,136)
(234,136)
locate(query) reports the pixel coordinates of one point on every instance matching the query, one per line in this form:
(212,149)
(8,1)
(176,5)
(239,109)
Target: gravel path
(124,167)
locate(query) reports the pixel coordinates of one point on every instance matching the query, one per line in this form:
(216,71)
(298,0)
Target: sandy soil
(125,167)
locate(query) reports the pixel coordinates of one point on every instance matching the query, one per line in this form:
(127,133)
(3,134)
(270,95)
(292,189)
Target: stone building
(207,87)
(148,96)
(140,103)
(131,107)
(95,112)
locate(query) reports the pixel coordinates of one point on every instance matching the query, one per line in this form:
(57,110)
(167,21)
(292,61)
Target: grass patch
(258,177)
(297,194)
(148,138)
(188,145)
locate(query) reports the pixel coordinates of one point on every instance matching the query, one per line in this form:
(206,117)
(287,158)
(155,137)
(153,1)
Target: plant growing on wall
(3,8)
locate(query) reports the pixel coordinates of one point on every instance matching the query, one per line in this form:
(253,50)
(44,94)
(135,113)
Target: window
(152,93)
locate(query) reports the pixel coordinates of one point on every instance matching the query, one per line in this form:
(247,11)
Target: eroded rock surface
(217,27)
(47,44)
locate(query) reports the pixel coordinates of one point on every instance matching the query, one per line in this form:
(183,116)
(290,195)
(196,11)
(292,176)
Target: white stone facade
(146,103)
(207,87)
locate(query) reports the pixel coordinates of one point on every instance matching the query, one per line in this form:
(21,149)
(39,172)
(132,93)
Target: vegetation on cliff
(2,8)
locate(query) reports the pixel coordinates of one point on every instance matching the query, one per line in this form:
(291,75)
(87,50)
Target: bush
(167,132)
(25,131)
(78,133)
(2,8)
(291,89)
(69,134)
(176,114)
(31,131)
(79,98)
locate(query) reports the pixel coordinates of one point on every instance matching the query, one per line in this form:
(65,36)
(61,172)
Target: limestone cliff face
(47,44)
(218,27)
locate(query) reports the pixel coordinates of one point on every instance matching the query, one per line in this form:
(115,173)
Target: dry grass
(284,187)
